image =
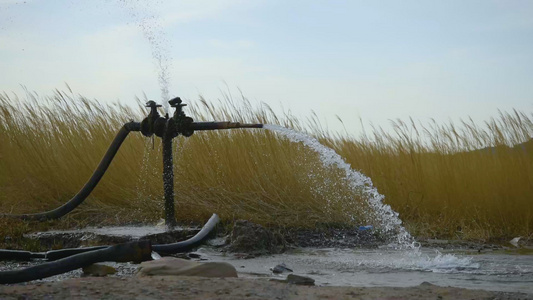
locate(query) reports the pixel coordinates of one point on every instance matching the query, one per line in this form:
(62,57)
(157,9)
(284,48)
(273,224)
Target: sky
(369,60)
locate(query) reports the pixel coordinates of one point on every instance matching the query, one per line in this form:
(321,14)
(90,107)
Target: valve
(153,123)
(181,121)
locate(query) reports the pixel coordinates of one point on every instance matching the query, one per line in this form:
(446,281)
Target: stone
(280,269)
(296,279)
(300,280)
(98,270)
(171,266)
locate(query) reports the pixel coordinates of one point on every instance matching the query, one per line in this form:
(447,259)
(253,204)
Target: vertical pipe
(168,177)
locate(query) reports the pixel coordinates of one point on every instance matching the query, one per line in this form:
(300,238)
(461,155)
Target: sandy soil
(173,287)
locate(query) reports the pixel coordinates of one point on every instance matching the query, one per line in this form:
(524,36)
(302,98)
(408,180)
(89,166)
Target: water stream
(388,220)
(404,263)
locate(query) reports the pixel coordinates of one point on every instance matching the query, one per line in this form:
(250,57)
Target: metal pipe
(133,251)
(168,176)
(91,183)
(221,125)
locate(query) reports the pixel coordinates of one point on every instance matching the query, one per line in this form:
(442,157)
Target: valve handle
(176,102)
(152,104)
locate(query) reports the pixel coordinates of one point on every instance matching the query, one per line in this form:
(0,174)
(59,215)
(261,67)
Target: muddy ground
(246,288)
(175,287)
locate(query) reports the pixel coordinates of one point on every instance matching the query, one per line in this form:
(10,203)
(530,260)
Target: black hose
(91,183)
(190,243)
(164,249)
(133,251)
(15,255)
(62,253)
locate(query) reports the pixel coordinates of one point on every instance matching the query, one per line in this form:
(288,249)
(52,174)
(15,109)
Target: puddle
(368,268)
(394,268)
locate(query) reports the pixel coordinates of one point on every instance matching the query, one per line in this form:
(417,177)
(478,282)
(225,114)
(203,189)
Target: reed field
(462,181)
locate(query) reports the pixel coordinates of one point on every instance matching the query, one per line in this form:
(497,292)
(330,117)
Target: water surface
(396,268)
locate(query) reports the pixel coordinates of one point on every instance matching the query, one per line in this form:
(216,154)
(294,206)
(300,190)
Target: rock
(300,280)
(280,269)
(98,270)
(171,266)
(297,279)
(255,239)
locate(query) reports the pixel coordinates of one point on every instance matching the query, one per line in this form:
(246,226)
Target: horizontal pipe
(221,125)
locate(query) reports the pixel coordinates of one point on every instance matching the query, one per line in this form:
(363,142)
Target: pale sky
(377,60)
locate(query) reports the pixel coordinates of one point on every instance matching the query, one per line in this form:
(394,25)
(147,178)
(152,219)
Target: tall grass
(458,181)
(51,149)
(439,177)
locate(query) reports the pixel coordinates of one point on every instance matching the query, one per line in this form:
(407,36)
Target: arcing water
(387,219)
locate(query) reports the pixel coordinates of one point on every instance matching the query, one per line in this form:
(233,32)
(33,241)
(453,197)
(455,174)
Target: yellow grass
(52,148)
(464,181)
(432,174)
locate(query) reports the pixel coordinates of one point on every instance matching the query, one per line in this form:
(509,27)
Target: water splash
(388,221)
(417,260)
(144,16)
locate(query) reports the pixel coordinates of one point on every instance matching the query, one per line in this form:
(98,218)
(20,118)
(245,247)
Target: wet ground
(442,263)
(496,271)
(94,236)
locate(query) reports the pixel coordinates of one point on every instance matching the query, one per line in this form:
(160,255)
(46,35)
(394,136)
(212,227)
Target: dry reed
(461,181)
